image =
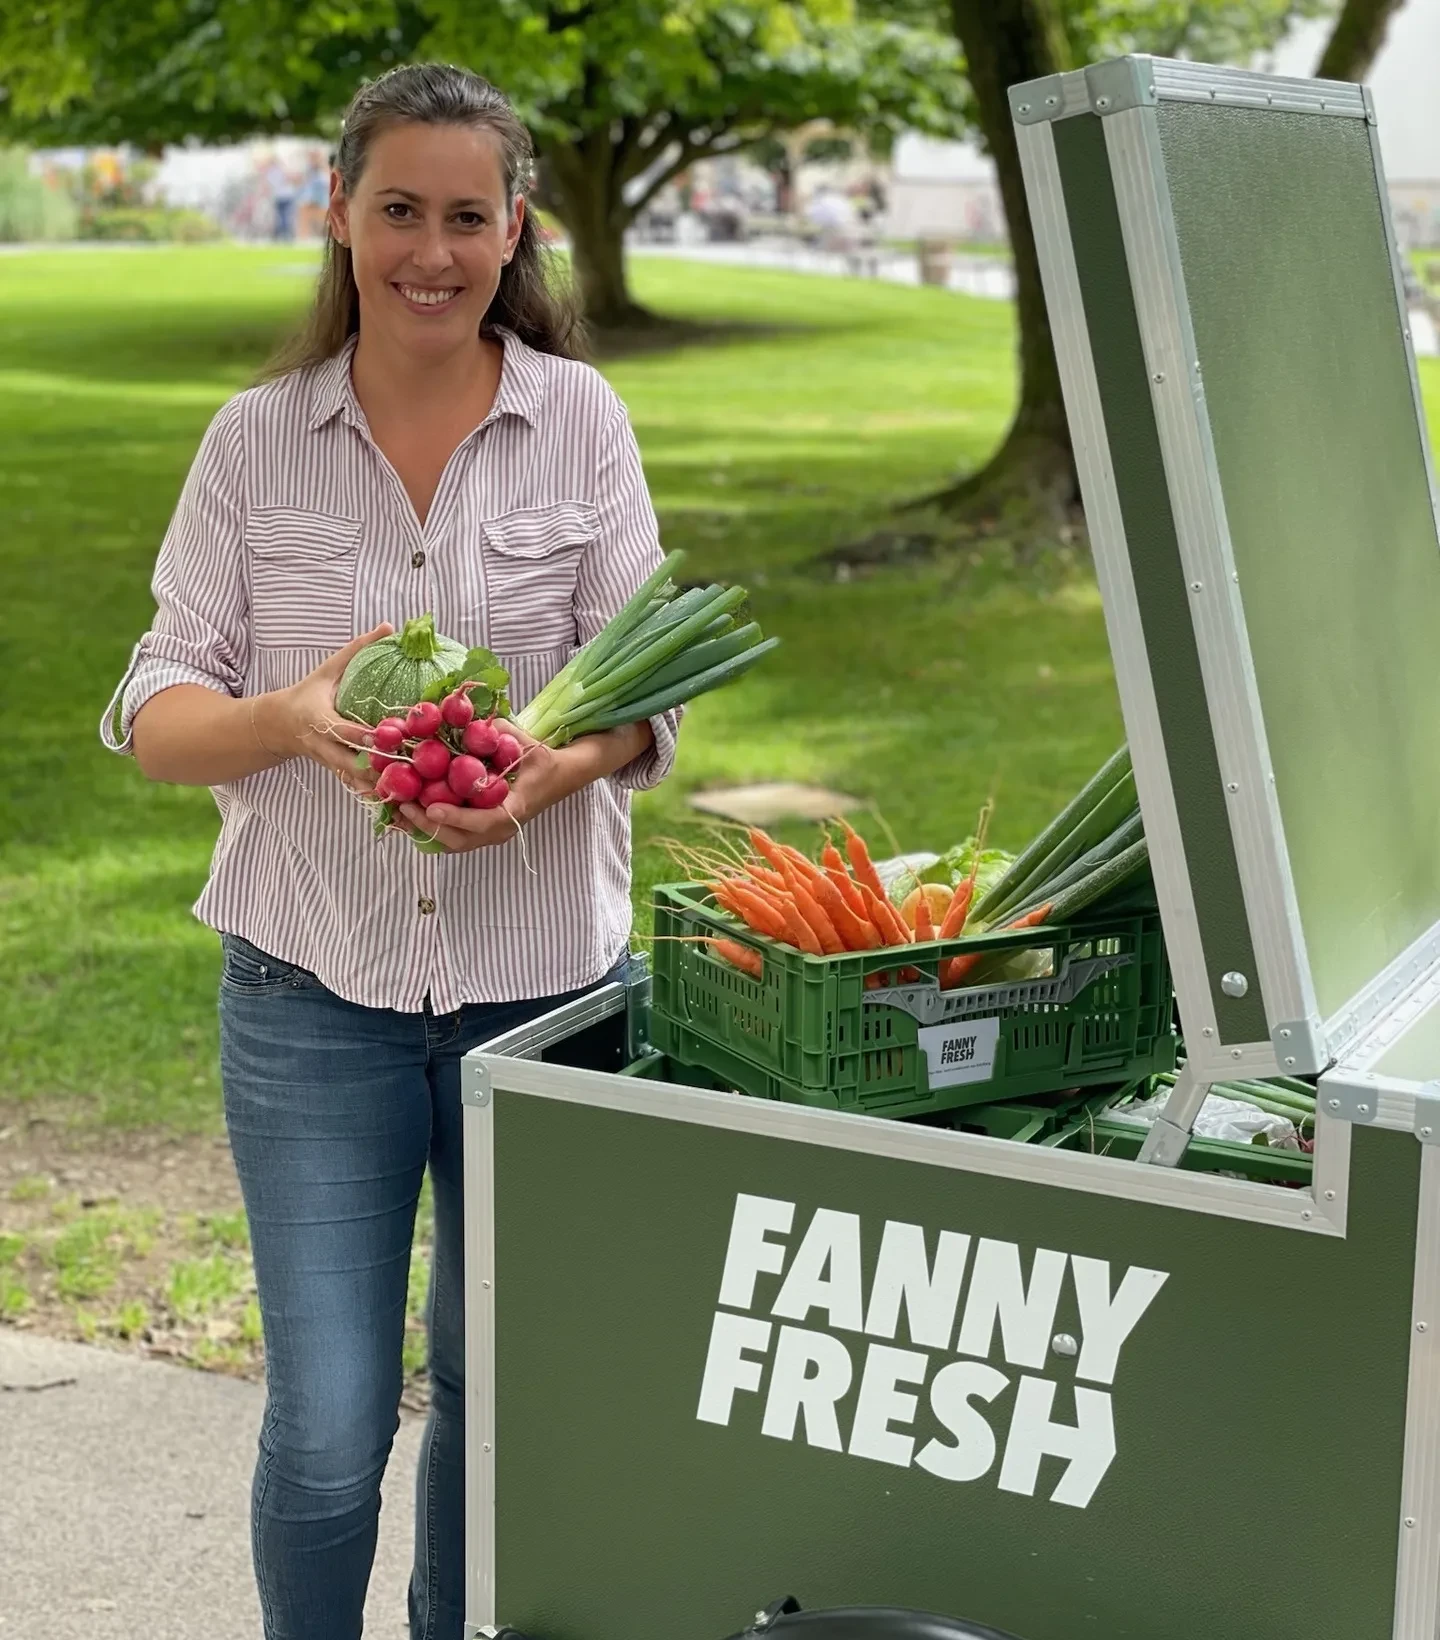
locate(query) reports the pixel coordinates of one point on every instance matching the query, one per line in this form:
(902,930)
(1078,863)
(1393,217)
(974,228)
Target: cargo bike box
(720,1347)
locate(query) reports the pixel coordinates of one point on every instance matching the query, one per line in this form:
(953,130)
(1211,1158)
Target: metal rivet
(1290,1060)
(1334,1104)
(1363,1109)
(1410,1520)
(1102,102)
(1197,586)
(484,1283)
(1422,1326)
(1235,1053)
(1234,984)
(1425,1132)
(485,1446)
(1064,1344)
(1159,375)
(1232,785)
(1050,102)
(1307,1214)
(1024,108)
(1285,1032)
(1208,1031)
(1329,1195)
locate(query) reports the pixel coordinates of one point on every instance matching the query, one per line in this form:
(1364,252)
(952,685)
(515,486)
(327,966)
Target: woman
(428,444)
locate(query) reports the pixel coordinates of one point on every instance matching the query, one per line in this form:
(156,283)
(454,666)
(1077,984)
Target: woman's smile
(427,298)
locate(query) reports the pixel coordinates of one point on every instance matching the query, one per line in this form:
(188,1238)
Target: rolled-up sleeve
(625,553)
(201,630)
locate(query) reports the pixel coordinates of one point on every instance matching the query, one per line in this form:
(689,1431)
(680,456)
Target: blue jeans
(334,1111)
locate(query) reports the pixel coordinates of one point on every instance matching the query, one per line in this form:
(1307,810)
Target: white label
(960,1052)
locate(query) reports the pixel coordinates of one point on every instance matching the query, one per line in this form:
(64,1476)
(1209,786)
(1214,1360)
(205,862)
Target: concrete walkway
(124,1499)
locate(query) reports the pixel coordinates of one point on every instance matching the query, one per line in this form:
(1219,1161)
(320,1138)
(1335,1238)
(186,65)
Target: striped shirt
(292,534)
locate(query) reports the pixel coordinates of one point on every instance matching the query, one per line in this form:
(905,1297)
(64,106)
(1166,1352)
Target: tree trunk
(587,198)
(1356,39)
(1006,41)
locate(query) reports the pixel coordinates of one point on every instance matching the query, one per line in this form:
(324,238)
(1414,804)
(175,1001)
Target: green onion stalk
(664,648)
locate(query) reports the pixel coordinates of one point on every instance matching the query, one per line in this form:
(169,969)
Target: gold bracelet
(255,728)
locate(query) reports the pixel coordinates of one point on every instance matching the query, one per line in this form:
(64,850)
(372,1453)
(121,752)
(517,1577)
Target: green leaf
(362,760)
(384,815)
(428,845)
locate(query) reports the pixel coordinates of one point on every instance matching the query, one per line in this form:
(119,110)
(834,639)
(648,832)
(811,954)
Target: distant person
(280,183)
(428,443)
(313,200)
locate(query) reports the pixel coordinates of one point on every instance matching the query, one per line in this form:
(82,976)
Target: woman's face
(428,232)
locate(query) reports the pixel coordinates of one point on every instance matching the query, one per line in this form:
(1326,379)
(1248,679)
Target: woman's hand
(543,777)
(302,721)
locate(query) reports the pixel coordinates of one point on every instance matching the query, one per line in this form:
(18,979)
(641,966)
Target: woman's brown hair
(527,301)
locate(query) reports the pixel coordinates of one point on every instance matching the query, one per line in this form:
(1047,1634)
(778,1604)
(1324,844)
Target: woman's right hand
(306,723)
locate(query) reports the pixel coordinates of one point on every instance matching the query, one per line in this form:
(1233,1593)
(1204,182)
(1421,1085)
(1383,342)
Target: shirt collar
(521,390)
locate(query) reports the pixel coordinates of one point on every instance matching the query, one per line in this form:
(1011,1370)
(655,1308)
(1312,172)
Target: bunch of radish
(443,753)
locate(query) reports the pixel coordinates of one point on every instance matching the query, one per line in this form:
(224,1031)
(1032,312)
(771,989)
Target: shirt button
(427,905)
(418,560)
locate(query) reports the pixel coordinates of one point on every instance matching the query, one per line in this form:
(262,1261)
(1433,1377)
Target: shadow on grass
(665,335)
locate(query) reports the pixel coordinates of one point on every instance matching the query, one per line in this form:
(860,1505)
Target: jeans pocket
(250,971)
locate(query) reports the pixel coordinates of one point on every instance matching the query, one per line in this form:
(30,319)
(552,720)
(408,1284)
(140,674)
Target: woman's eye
(470,219)
(396,205)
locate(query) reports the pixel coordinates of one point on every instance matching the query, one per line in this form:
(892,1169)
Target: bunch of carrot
(824,909)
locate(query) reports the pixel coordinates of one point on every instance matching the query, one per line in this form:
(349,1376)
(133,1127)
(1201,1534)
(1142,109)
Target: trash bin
(934,257)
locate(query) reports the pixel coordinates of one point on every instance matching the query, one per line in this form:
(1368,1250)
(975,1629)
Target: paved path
(124,1501)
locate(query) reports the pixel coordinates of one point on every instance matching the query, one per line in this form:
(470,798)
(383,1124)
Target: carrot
(740,956)
(857,933)
(757,911)
(953,922)
(839,874)
(810,911)
(763,874)
(802,863)
(800,934)
(861,863)
(955,970)
(924,921)
(885,917)
(765,846)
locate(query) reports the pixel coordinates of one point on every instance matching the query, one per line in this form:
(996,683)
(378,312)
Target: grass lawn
(917,691)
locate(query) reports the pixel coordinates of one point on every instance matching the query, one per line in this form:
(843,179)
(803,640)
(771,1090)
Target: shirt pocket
(532,558)
(302,577)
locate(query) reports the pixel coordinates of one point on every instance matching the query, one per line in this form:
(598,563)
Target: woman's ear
(339,211)
(513,227)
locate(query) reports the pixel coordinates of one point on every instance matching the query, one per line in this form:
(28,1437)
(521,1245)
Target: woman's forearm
(188,735)
(592,757)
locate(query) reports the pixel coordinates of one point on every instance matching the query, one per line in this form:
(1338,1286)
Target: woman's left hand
(539,783)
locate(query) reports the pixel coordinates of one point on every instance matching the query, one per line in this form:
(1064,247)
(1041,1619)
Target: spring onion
(662,649)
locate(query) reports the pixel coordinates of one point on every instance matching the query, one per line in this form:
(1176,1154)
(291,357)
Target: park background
(850,407)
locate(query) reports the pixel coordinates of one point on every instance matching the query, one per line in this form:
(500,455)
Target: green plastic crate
(808,1031)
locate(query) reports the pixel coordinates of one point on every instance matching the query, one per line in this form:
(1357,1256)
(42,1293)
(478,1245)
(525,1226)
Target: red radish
(423,720)
(389,735)
(458,709)
(398,784)
(431,759)
(435,791)
(481,738)
(506,754)
(491,795)
(379,762)
(465,773)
